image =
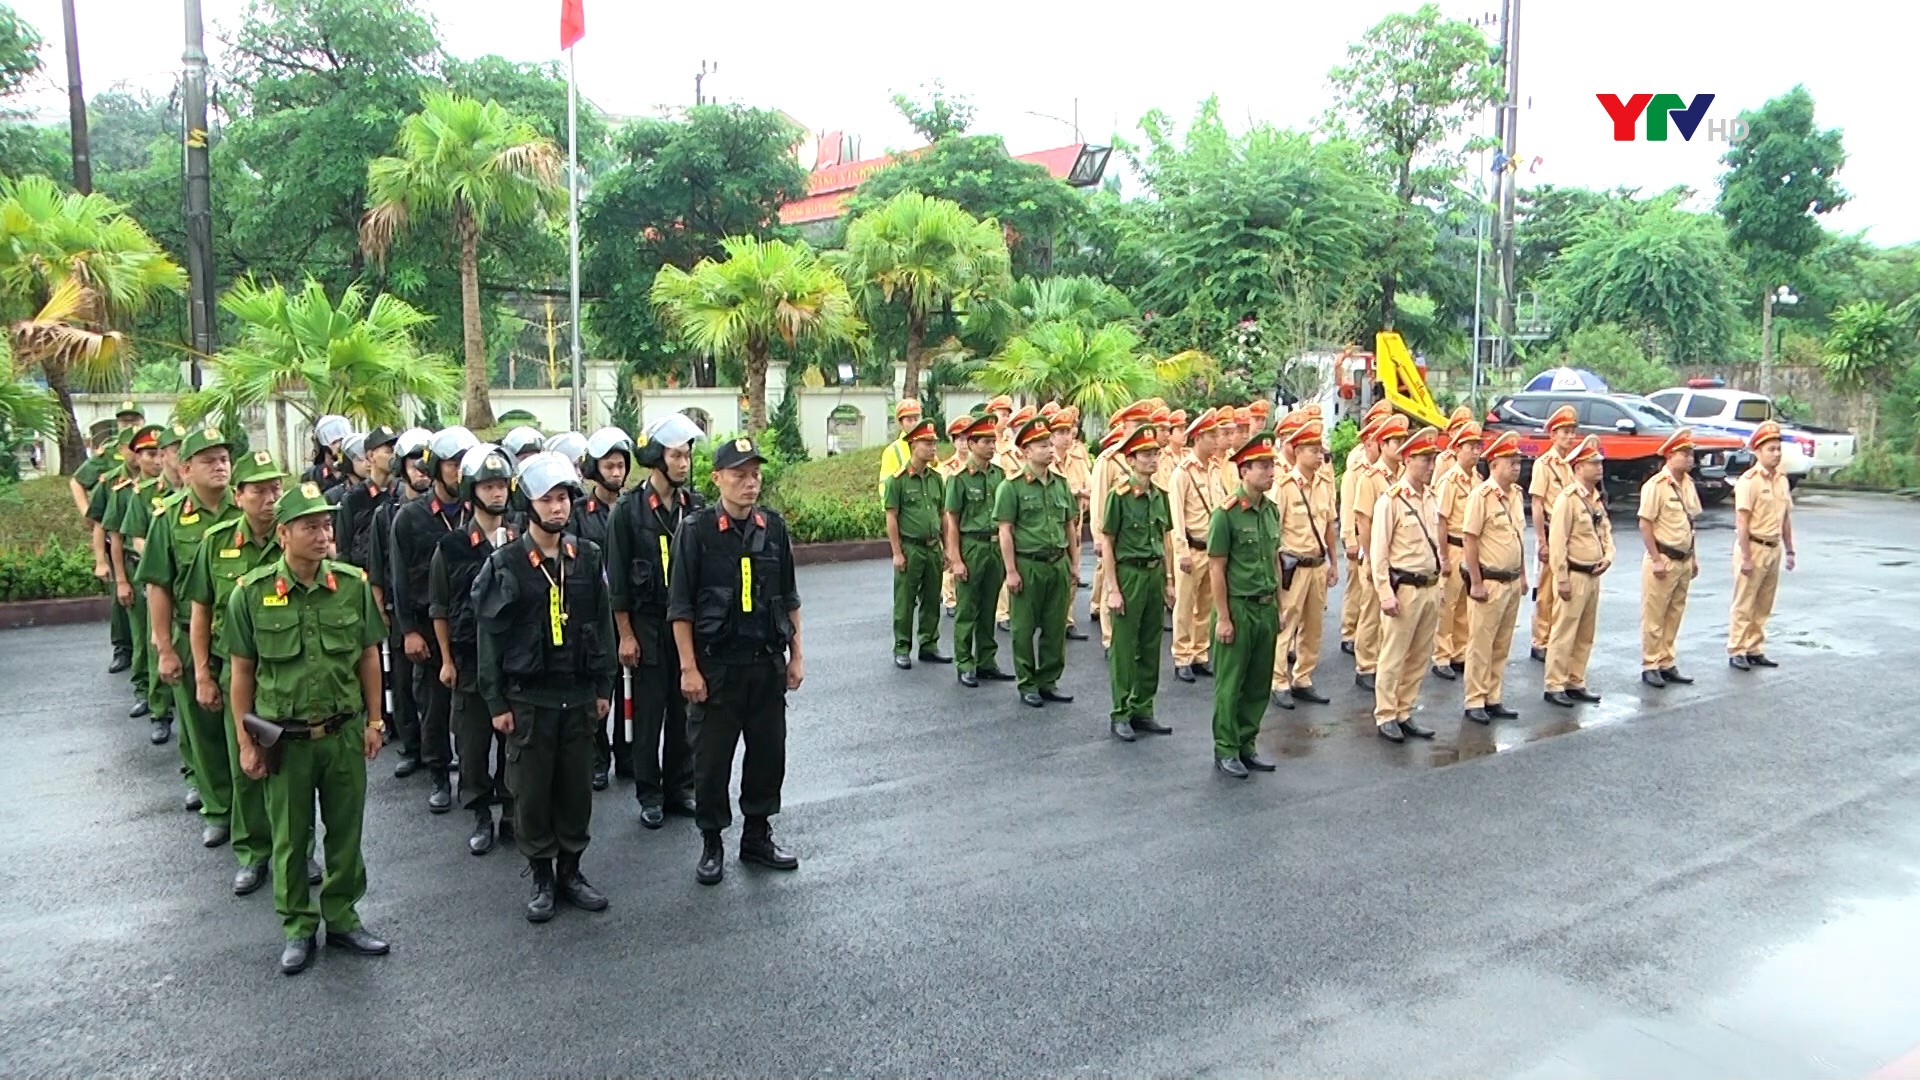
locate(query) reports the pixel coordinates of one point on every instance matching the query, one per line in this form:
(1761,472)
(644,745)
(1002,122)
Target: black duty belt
(1042,556)
(1397,578)
(316,729)
(1491,574)
(1764,541)
(1261,599)
(1308,562)
(1197,541)
(1673,552)
(1456,541)
(1142,560)
(1583,568)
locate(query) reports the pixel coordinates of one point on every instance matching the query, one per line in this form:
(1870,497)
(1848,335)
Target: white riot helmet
(601,444)
(412,441)
(355,448)
(449,443)
(545,471)
(568,444)
(669,432)
(331,430)
(522,441)
(484,462)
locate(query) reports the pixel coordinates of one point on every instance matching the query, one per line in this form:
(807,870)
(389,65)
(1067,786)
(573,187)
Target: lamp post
(1784,295)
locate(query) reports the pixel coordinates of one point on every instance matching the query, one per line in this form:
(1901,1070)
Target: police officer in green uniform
(127,496)
(546,673)
(1135,550)
(973,553)
(136,518)
(413,478)
(604,469)
(913,498)
(301,636)
(486,472)
(1243,552)
(735,611)
(173,540)
(229,552)
(1033,509)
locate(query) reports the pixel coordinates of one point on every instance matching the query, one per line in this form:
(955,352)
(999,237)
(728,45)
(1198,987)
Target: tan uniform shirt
(1078,476)
(1403,524)
(1456,486)
(1497,517)
(1306,508)
(1581,531)
(1671,505)
(1193,498)
(1369,484)
(1551,476)
(1766,499)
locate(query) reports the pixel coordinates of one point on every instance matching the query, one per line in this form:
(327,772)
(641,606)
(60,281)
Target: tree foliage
(1863,354)
(940,116)
(1778,180)
(1666,276)
(1098,370)
(1611,352)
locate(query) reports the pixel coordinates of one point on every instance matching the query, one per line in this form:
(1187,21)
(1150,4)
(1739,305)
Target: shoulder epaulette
(122,483)
(257,574)
(227,526)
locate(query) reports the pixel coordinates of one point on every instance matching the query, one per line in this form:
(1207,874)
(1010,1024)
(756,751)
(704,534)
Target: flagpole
(573,230)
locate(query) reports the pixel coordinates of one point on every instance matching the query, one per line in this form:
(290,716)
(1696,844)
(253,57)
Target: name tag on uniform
(746,584)
(229,553)
(189,519)
(273,601)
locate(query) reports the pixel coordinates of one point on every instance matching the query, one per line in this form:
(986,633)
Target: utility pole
(1509,131)
(77,104)
(699,98)
(199,196)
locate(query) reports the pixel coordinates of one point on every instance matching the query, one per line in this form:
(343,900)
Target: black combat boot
(481,841)
(540,908)
(573,885)
(757,846)
(441,800)
(712,859)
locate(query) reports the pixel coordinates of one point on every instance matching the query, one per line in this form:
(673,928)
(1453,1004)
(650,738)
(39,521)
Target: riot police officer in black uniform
(413,477)
(735,611)
(604,467)
(418,528)
(330,434)
(546,673)
(522,442)
(485,473)
(363,498)
(638,557)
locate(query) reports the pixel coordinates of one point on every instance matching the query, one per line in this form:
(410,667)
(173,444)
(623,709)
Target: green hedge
(54,572)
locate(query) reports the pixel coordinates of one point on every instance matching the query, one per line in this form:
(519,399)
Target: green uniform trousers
(1040,609)
(1243,674)
(974,644)
(550,773)
(918,584)
(1133,661)
(247,807)
(118,632)
(200,731)
(335,769)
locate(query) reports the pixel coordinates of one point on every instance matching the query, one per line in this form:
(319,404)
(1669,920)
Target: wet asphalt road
(1711,881)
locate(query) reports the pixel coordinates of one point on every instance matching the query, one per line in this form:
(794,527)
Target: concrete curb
(841,551)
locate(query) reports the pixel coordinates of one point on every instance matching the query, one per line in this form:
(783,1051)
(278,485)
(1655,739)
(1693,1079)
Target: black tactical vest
(417,527)
(531,658)
(464,553)
(739,608)
(650,523)
(361,503)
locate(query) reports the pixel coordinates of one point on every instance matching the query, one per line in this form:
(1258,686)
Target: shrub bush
(1345,435)
(54,572)
(816,519)
(1879,469)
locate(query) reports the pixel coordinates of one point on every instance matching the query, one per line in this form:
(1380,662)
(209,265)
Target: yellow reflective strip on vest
(746,583)
(665,566)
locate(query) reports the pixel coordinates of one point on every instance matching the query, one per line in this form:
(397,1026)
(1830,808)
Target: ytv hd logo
(1659,108)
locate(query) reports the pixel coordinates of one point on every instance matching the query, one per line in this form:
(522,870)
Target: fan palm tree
(1092,303)
(72,267)
(1861,357)
(761,291)
(1098,370)
(478,164)
(922,253)
(352,358)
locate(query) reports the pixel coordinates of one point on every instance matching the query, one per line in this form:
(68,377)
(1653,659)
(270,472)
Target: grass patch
(34,513)
(834,498)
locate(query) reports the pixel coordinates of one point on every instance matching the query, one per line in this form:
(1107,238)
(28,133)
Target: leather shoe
(1048,693)
(1281,699)
(1364,682)
(314,872)
(1183,672)
(122,660)
(1032,700)
(192,801)
(249,878)
(1478,716)
(140,709)
(1309,694)
(1443,671)
(994,674)
(1459,667)
(712,860)
(357,941)
(1761,660)
(652,817)
(1538,654)
(1415,729)
(406,766)
(1232,767)
(1654,679)
(1202,669)
(159,731)
(968,678)
(296,956)
(683,806)
(934,656)
(1347,647)
(1501,712)
(1003,626)
(1074,633)
(1556,697)
(902,661)
(1252,760)
(759,848)
(1391,732)
(1122,730)
(1581,693)
(481,840)
(214,835)
(1149,725)
(1673,675)
(599,778)
(1739,662)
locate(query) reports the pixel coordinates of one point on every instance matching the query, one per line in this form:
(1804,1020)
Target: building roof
(829,189)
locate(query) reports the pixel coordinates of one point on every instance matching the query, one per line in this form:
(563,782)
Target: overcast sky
(834,66)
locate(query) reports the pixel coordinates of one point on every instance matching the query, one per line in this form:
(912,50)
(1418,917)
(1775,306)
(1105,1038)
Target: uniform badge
(745,446)
(310,489)
(212,433)
(261,457)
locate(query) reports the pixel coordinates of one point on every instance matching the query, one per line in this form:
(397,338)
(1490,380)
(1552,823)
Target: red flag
(573,22)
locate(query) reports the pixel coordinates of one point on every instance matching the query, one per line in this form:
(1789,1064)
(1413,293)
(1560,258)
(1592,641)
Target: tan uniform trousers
(1544,606)
(1303,614)
(1571,642)
(1663,603)
(1406,645)
(1366,629)
(1489,638)
(1450,640)
(1753,601)
(1350,603)
(1192,613)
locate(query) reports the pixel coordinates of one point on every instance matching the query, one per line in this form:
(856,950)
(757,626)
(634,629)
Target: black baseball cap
(379,437)
(738,452)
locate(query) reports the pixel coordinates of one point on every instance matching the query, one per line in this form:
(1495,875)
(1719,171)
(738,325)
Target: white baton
(626,683)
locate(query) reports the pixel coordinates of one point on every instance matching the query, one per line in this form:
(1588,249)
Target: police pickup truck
(1631,429)
(1806,450)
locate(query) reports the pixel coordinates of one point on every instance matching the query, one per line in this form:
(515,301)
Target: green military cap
(172,434)
(301,500)
(128,408)
(201,439)
(256,467)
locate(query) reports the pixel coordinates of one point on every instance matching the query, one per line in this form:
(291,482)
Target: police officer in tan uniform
(1307,566)
(1668,507)
(1763,531)
(1403,560)
(1494,562)
(1364,452)
(1108,468)
(1459,475)
(1551,476)
(947,467)
(1368,488)
(1193,495)
(1077,471)
(1581,551)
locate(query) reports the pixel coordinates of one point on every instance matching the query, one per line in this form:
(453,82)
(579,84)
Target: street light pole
(199,194)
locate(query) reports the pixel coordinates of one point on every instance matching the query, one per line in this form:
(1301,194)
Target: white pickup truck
(1809,451)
